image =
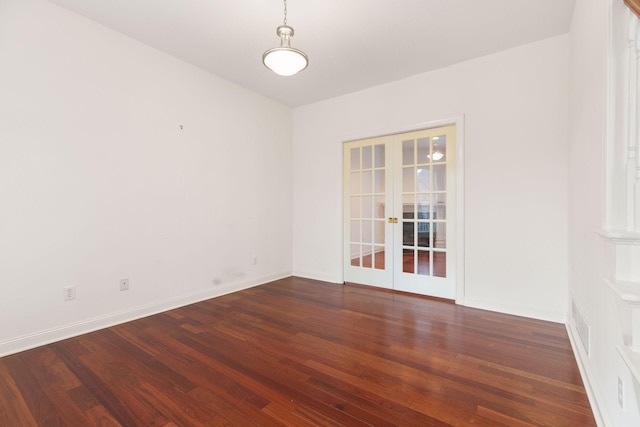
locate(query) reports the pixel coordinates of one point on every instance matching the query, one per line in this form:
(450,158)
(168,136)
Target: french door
(399,211)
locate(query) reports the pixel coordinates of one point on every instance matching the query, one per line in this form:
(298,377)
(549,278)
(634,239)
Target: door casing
(459,123)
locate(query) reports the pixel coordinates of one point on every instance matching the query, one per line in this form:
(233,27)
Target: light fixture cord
(285,12)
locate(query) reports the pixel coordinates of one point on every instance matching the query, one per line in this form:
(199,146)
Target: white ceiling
(352,44)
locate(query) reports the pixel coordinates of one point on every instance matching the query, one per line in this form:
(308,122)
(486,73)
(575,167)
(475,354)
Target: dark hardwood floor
(301,352)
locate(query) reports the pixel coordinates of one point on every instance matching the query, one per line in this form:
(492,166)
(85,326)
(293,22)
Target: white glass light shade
(285,60)
(437,155)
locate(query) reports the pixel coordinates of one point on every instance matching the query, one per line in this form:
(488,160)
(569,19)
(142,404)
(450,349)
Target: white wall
(98,182)
(592,176)
(515,107)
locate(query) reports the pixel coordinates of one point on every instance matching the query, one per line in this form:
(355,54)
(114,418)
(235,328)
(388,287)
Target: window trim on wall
(622,192)
(632,111)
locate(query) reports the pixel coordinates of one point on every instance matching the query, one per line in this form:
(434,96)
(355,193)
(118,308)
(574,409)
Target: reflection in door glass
(355,159)
(424,180)
(379,259)
(367,232)
(408,179)
(367,206)
(367,259)
(423,150)
(424,206)
(439,235)
(367,160)
(379,207)
(379,156)
(408,261)
(424,263)
(408,152)
(408,231)
(424,234)
(355,230)
(355,183)
(378,232)
(367,182)
(439,177)
(440,208)
(355,255)
(408,206)
(378,186)
(440,264)
(355,207)
(439,149)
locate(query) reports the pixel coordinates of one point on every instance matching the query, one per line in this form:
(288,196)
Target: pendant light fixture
(285,60)
(437,155)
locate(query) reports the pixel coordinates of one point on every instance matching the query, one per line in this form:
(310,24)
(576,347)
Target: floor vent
(583,328)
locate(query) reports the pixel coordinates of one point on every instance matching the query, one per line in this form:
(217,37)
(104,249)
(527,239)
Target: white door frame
(458,122)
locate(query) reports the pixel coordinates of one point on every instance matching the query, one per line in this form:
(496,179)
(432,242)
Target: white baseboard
(516,310)
(317,276)
(594,397)
(47,336)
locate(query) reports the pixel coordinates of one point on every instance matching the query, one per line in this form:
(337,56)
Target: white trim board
(595,400)
(49,336)
(459,122)
(322,277)
(515,310)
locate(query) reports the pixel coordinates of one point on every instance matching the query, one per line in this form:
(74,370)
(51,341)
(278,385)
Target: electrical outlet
(124,284)
(69,293)
(254,261)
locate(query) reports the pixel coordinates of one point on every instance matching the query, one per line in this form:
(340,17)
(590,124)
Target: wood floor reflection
(409,264)
(298,352)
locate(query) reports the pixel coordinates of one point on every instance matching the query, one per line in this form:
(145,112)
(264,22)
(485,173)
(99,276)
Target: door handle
(393,220)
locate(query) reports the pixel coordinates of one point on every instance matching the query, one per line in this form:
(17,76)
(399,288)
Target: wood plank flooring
(298,352)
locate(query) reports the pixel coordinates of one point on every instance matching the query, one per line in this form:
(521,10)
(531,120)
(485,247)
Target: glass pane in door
(439,153)
(424,262)
(367,193)
(439,264)
(440,206)
(423,150)
(440,177)
(367,157)
(424,186)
